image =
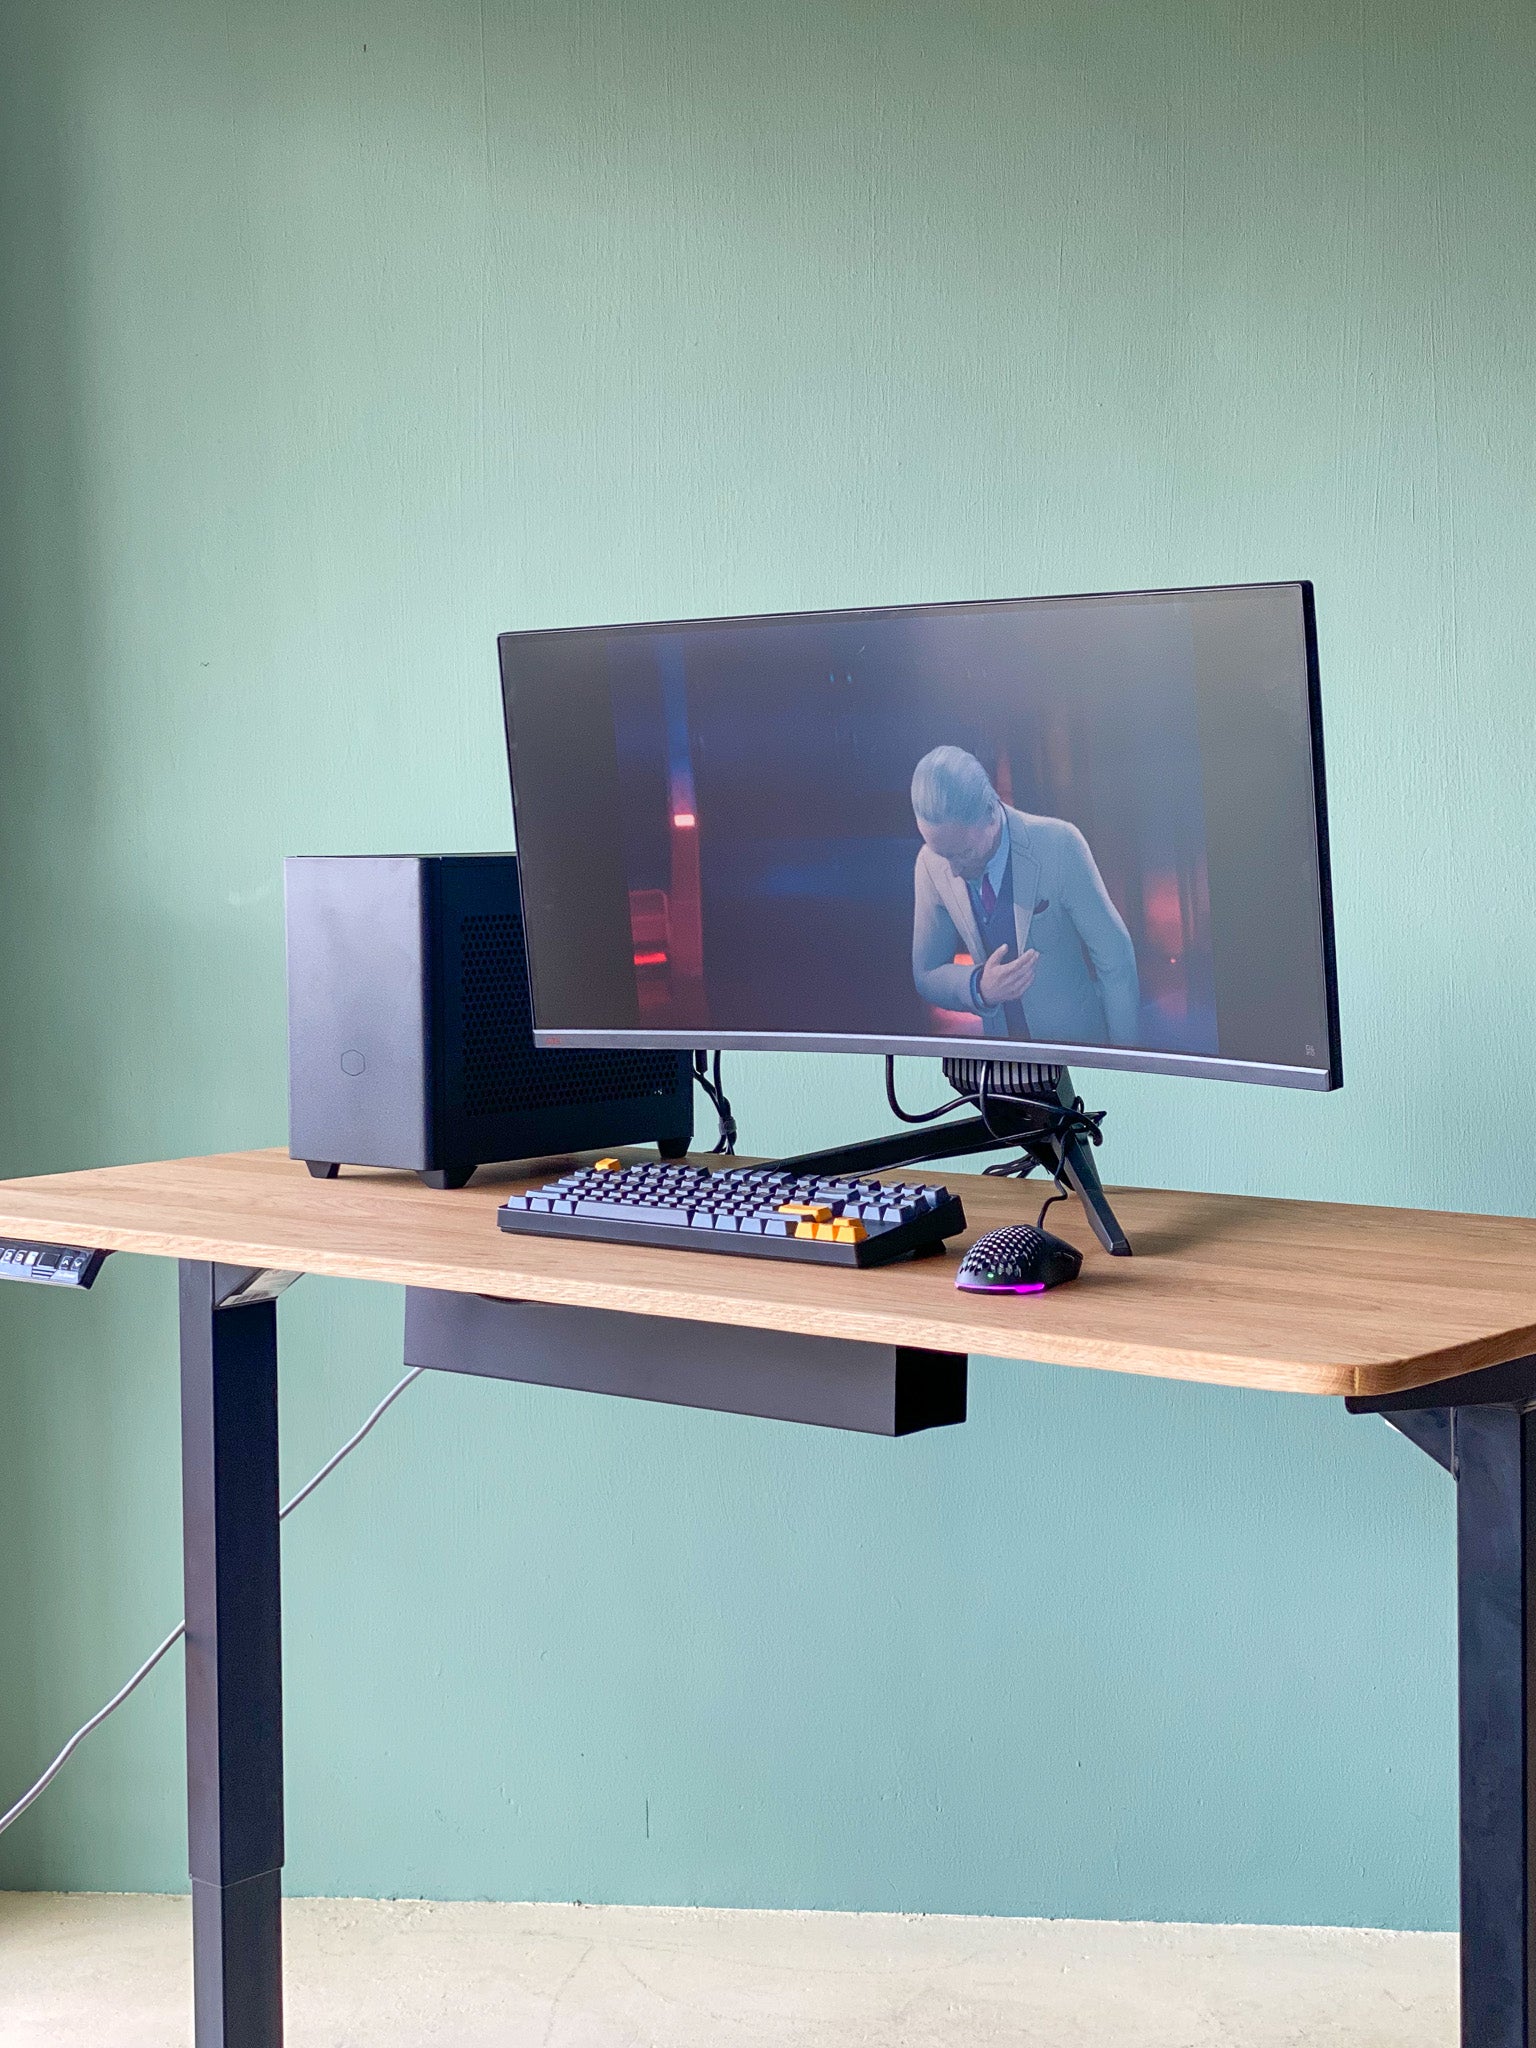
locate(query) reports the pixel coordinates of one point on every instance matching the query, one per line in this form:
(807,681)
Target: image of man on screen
(1022,896)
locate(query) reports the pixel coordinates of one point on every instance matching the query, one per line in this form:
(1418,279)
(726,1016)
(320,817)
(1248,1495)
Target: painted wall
(335,337)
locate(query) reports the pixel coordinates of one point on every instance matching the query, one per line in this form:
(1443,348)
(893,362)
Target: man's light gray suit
(1052,865)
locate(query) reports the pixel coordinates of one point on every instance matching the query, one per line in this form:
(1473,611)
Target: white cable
(351,1443)
(180,1629)
(95,1721)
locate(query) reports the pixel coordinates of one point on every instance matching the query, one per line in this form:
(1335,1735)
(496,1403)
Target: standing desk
(1428,1320)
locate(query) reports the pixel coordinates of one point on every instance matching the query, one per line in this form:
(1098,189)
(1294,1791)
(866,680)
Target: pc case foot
(445,1176)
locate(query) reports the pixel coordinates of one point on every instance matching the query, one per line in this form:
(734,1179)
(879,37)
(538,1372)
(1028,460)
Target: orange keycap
(608,1166)
(848,1231)
(818,1212)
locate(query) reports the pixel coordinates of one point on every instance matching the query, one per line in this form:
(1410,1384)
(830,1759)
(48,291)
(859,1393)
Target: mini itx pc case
(410,1038)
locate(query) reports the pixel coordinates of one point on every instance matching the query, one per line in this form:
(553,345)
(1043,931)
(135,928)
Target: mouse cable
(176,1634)
(711,1085)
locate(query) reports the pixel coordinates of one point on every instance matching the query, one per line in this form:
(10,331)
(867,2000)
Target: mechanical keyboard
(758,1212)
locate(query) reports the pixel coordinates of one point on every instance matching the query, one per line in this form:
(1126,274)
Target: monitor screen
(1076,828)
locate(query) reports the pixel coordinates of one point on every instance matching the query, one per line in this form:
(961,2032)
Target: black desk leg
(1495,1463)
(234,1661)
(1478,1427)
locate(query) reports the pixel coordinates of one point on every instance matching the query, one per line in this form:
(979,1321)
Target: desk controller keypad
(52,1265)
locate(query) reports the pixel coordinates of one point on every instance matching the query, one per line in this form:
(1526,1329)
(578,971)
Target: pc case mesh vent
(504,1071)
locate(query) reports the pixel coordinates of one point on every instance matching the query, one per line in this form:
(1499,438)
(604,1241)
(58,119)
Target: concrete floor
(112,1972)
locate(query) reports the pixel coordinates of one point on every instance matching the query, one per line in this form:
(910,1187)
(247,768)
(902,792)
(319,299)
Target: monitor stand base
(1026,1106)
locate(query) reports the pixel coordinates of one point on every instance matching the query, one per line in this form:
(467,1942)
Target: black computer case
(410,1032)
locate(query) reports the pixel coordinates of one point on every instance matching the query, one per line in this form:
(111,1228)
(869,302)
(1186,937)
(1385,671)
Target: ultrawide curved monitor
(1085,829)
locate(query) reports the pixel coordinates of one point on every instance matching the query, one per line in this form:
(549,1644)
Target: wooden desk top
(1309,1297)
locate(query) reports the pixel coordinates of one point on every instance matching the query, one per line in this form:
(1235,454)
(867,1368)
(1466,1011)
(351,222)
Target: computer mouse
(1018,1260)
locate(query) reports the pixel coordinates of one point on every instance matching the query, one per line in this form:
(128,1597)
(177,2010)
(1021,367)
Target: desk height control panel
(54,1265)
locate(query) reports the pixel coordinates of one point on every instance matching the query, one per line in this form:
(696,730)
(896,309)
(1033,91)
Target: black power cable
(712,1087)
(1059,1124)
(921,1116)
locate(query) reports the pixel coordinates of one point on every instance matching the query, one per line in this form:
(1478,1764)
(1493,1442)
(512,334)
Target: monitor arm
(1033,1107)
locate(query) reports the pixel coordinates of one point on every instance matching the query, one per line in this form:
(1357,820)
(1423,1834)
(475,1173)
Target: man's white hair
(950,787)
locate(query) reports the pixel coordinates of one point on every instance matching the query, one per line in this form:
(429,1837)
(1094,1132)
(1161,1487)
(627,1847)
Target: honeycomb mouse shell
(1018,1260)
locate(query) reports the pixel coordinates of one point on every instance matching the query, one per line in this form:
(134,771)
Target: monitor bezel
(1114,1059)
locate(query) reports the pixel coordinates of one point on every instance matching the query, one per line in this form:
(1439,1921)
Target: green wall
(336,336)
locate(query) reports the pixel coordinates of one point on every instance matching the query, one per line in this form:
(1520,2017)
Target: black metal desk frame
(1481,1427)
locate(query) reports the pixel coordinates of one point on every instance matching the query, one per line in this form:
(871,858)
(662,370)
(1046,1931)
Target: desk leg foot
(1495,1463)
(234,1661)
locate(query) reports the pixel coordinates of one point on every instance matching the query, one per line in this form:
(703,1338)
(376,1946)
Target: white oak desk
(1428,1319)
